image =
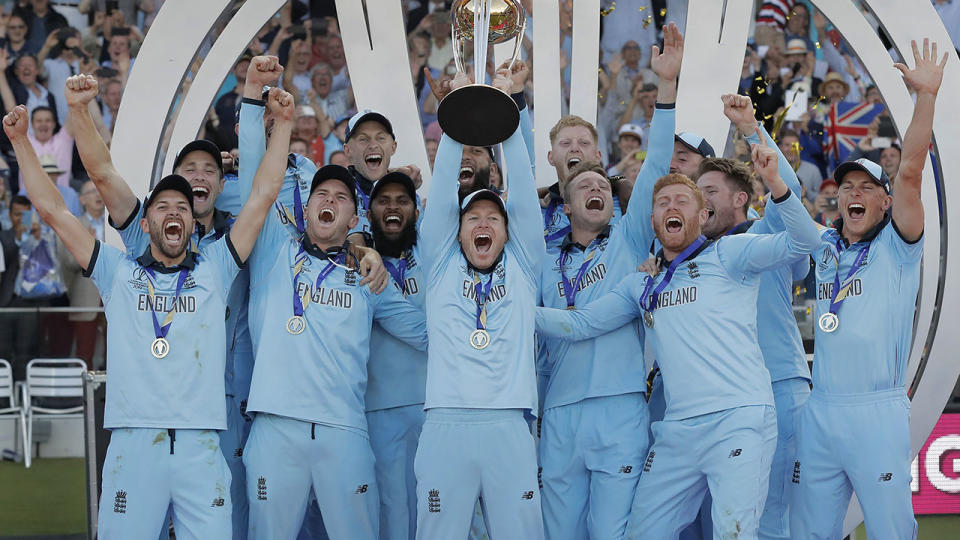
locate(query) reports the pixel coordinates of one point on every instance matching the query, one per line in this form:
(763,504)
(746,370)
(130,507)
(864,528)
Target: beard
(481,180)
(393,247)
(157,239)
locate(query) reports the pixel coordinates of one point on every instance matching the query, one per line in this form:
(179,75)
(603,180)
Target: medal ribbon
(398,272)
(649,304)
(551,210)
(481,292)
(299,304)
(364,198)
(841,290)
(159,330)
(570,289)
(734,229)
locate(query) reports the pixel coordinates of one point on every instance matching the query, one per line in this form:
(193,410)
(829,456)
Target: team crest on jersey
(350,278)
(693,270)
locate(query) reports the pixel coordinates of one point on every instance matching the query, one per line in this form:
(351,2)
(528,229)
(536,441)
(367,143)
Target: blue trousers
(789,395)
(847,443)
(466,453)
(394,434)
(149,470)
(591,453)
(729,451)
(231,443)
(286,458)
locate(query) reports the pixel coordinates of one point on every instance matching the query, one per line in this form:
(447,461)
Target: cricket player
(199,162)
(868,273)
(701,315)
(595,421)
(166,380)
(481,272)
(311,320)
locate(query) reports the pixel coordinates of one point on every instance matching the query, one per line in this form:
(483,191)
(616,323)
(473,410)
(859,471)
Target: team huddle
(295,351)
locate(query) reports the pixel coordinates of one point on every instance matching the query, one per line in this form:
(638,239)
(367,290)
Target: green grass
(47,499)
(931,528)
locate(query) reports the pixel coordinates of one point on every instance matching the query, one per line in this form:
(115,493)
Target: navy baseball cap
(365,116)
(874,171)
(200,145)
(173,182)
(483,195)
(398,178)
(335,172)
(696,143)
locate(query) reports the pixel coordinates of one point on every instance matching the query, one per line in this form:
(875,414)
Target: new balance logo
(626,469)
(796,472)
(217,502)
(120,502)
(527,495)
(649,462)
(886,477)
(735,453)
(433,500)
(361,489)
(261,489)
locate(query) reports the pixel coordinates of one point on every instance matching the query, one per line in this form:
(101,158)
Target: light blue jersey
(503,375)
(556,224)
(705,330)
(869,350)
(610,364)
(320,375)
(397,372)
(185,389)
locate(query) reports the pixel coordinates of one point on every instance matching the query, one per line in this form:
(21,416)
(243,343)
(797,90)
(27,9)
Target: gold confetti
(796,149)
(759,78)
(768,116)
(817,44)
(642,8)
(605,12)
(761,90)
(663,12)
(647,21)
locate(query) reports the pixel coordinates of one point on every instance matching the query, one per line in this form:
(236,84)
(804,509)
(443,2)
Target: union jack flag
(845,126)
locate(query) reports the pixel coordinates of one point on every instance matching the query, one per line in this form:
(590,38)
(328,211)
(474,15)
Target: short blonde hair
(572,120)
(580,168)
(673,179)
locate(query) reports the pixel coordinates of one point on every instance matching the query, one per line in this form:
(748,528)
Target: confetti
(663,12)
(642,8)
(647,21)
(817,44)
(768,116)
(605,12)
(761,90)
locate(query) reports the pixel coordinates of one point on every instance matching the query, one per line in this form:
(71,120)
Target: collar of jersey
(665,263)
(871,234)
(221,224)
(325,254)
(742,228)
(554,192)
(147,261)
(569,244)
(484,271)
(364,183)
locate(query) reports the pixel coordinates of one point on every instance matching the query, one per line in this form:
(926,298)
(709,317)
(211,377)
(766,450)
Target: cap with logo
(200,145)
(874,171)
(394,177)
(483,195)
(696,143)
(631,129)
(335,172)
(173,182)
(367,115)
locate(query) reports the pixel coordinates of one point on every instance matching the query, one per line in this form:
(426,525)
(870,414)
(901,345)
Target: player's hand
(739,109)
(413,172)
(373,271)
(764,160)
(264,71)
(280,103)
(15,123)
(651,266)
(926,77)
(518,75)
(502,81)
(81,90)
(439,88)
(229,164)
(666,64)
(460,80)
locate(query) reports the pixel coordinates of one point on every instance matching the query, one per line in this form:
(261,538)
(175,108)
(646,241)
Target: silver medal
(296,325)
(829,322)
(160,347)
(648,318)
(479,339)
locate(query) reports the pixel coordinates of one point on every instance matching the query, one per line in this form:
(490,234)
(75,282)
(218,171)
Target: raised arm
(116,194)
(269,177)
(43,193)
(925,79)
(605,314)
(263,71)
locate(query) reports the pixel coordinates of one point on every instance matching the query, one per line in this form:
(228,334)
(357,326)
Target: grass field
(49,499)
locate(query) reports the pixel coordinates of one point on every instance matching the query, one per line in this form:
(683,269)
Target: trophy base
(478,115)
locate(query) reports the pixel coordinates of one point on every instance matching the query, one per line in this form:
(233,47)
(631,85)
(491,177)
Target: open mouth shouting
(856,211)
(200,194)
(482,243)
(373,160)
(595,203)
(327,215)
(673,225)
(392,222)
(173,231)
(573,162)
(467,173)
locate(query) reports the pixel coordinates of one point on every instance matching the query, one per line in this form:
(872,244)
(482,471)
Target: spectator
(41,21)
(834,88)
(307,128)
(338,63)
(807,172)
(772,23)
(82,292)
(629,141)
(5,222)
(16,34)
(70,198)
(296,76)
(339,158)
(798,25)
(826,203)
(418,18)
(441,50)
(639,109)
(10,247)
(49,139)
(226,105)
(334,140)
(300,146)
(628,30)
(800,62)
(118,51)
(432,145)
(62,57)
(24,88)
(128,9)
(112,96)
(321,96)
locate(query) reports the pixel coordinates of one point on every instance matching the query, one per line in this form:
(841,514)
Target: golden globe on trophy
(479,114)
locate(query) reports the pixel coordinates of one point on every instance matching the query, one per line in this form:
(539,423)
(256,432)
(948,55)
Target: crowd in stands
(807,85)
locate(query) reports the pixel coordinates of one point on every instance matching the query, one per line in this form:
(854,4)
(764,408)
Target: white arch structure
(716,35)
